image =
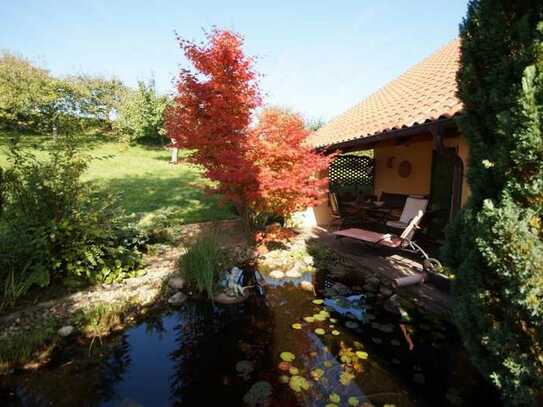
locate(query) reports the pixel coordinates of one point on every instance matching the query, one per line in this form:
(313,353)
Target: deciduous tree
(265,168)
(212,112)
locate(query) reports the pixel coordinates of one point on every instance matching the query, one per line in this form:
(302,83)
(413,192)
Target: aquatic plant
(99,320)
(299,383)
(353,401)
(335,398)
(199,266)
(287,356)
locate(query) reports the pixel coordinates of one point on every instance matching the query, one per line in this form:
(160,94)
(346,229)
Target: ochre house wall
(389,157)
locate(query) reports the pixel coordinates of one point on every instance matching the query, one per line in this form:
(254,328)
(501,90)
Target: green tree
(26,93)
(141,114)
(32,99)
(96,97)
(495,246)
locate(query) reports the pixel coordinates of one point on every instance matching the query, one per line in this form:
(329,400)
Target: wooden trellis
(351,171)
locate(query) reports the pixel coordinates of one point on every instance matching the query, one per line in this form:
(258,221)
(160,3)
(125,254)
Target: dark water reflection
(188,357)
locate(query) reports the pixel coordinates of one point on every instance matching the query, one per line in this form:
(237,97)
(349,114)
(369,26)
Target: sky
(316,57)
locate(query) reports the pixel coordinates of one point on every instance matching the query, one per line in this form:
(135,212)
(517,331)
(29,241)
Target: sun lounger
(403,241)
(410,210)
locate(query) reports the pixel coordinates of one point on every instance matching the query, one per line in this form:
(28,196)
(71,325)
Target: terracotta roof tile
(425,92)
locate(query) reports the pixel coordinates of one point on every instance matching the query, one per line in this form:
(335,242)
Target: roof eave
(368,142)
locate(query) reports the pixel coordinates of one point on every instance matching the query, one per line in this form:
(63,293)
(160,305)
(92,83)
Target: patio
(364,263)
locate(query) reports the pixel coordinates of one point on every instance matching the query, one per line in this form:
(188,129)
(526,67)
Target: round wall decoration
(404,169)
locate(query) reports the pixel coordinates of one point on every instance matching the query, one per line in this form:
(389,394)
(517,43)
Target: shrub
(495,246)
(201,264)
(53,228)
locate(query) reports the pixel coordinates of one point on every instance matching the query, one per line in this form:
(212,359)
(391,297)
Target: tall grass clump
(201,264)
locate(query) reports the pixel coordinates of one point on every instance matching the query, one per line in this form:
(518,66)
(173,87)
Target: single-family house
(410,126)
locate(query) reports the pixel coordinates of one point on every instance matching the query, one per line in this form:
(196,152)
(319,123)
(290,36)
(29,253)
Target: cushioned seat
(383,239)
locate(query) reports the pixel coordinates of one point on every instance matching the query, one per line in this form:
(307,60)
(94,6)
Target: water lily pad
(284,366)
(244,368)
(258,394)
(293,371)
(333,320)
(298,383)
(325,313)
(345,378)
(316,374)
(389,405)
(296,326)
(335,332)
(328,363)
(317,301)
(358,345)
(320,331)
(362,355)
(319,317)
(331,405)
(353,401)
(284,379)
(287,356)
(309,320)
(334,398)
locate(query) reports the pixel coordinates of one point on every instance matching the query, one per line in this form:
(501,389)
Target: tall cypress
(495,246)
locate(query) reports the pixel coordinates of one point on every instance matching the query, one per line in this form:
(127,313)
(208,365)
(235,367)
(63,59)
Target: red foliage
(212,112)
(288,170)
(262,169)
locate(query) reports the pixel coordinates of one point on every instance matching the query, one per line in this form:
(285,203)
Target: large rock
(177,299)
(307,285)
(66,330)
(177,283)
(293,273)
(277,274)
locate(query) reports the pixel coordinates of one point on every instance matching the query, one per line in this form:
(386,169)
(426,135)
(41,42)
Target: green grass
(145,183)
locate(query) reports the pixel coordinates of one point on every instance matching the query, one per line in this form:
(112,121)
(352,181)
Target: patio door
(444,190)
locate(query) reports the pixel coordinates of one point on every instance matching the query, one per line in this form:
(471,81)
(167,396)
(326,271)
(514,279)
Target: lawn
(146,184)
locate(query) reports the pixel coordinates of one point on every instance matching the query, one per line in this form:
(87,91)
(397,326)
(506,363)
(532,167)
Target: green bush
(495,246)
(201,264)
(53,228)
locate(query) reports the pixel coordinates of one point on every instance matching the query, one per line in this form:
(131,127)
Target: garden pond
(287,348)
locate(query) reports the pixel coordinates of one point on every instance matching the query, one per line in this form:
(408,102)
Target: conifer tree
(495,246)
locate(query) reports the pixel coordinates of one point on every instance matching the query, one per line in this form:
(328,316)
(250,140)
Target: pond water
(191,356)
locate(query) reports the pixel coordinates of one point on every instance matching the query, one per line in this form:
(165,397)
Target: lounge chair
(411,208)
(387,240)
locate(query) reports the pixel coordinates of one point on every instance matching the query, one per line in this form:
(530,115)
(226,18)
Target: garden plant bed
(293,346)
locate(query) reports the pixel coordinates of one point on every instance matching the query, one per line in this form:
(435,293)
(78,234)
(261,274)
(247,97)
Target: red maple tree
(262,169)
(289,171)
